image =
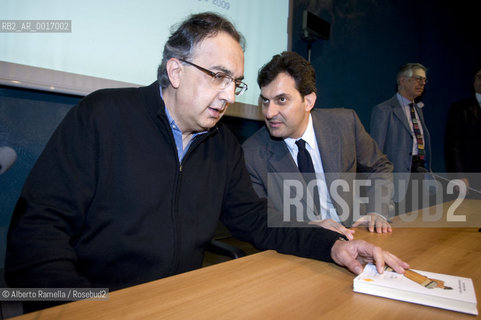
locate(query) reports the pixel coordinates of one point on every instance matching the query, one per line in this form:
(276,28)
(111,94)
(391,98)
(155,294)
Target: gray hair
(406,71)
(188,34)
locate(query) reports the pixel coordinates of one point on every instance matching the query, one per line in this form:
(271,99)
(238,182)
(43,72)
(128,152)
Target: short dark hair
(189,33)
(295,65)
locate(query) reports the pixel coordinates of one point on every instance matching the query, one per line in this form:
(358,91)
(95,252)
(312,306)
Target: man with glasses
(132,184)
(399,129)
(393,122)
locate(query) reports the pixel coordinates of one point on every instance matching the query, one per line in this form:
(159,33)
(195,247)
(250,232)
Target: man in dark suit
(399,129)
(335,139)
(463,132)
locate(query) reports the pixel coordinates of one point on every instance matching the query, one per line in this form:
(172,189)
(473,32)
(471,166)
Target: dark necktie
(304,161)
(305,165)
(417,132)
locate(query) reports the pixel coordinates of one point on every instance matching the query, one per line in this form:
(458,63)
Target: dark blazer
(390,128)
(463,137)
(344,145)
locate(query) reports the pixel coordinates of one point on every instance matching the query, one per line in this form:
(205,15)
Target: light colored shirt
(478,97)
(407,111)
(181,151)
(327,208)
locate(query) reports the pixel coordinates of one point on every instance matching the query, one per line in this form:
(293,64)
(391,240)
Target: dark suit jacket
(390,128)
(463,137)
(344,145)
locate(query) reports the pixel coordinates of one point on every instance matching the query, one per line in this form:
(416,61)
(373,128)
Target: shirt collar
(405,102)
(171,120)
(478,97)
(172,123)
(308,136)
(402,100)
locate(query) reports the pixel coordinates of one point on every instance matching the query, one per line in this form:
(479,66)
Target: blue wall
(356,68)
(27,119)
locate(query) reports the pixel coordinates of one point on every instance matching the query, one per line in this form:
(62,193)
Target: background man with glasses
(398,125)
(132,184)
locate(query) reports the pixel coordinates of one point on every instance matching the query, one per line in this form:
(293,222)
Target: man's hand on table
(374,221)
(356,253)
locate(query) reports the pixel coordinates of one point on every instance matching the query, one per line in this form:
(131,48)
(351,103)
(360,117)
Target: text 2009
(220,3)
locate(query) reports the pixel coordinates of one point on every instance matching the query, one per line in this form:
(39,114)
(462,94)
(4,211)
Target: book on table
(439,290)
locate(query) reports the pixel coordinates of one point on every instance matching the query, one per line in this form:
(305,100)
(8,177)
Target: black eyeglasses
(221,80)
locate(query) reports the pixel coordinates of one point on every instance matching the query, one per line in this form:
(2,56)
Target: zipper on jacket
(178,228)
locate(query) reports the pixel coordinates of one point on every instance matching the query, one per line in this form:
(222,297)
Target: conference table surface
(269,285)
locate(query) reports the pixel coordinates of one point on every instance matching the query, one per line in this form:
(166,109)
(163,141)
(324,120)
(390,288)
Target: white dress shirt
(327,208)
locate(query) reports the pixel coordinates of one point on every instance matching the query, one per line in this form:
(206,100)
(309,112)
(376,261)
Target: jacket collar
(399,112)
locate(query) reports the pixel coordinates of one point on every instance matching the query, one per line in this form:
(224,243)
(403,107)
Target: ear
(402,80)
(174,71)
(310,100)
